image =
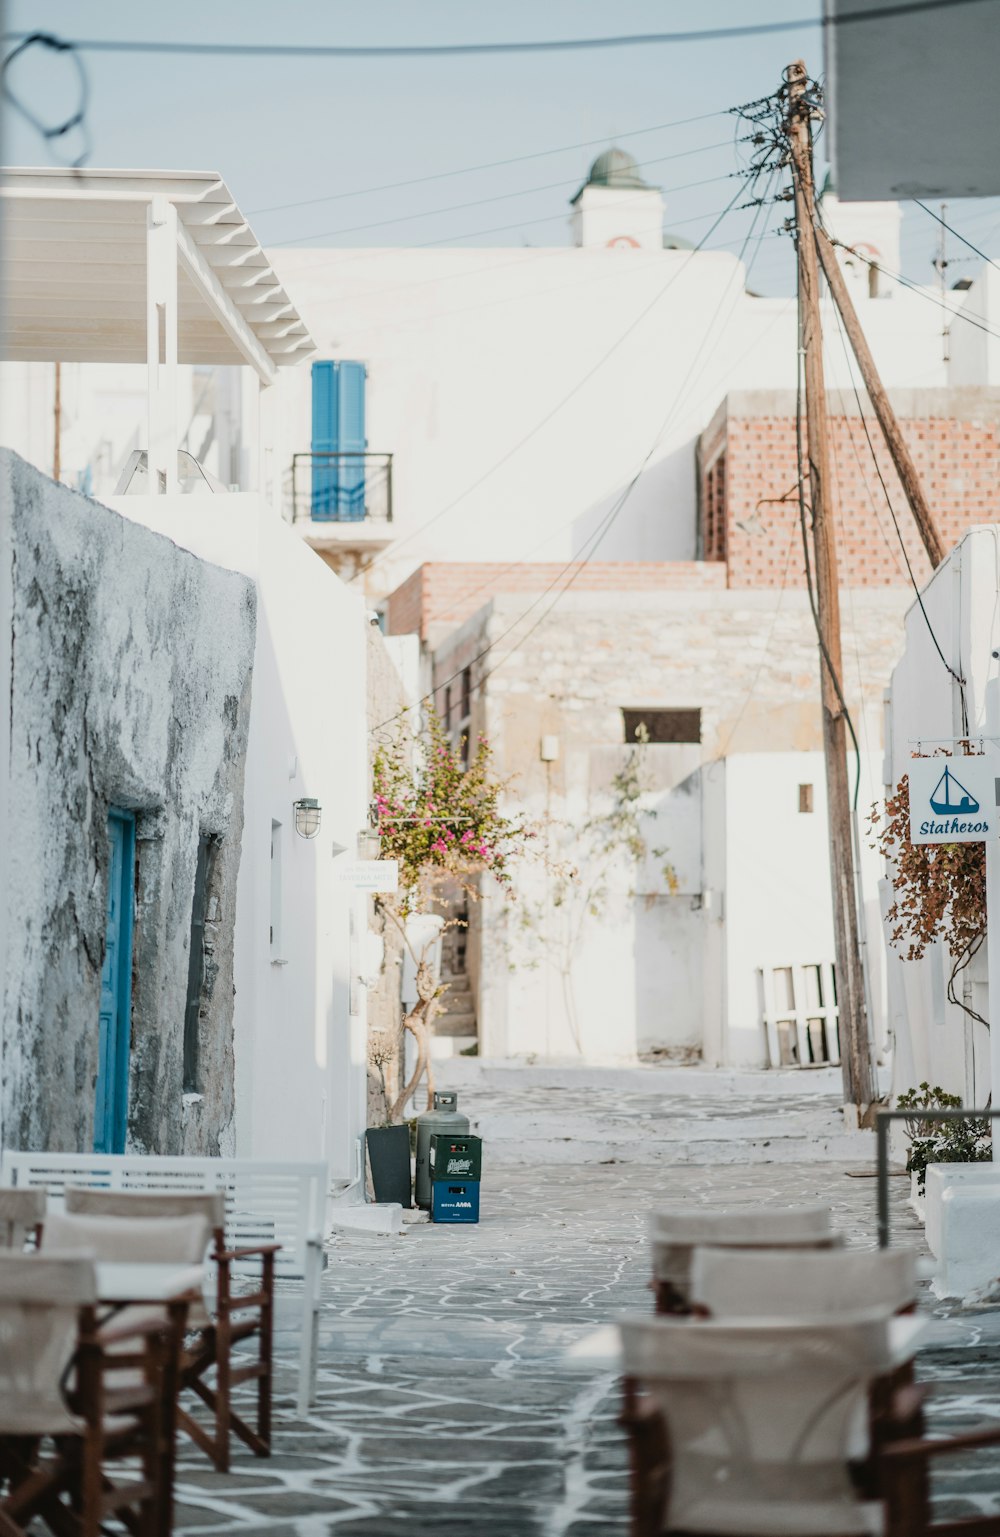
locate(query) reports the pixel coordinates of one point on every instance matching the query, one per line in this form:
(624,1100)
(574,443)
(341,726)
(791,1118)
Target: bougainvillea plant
(441,819)
(939,890)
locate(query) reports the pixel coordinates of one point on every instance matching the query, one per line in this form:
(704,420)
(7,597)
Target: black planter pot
(389,1157)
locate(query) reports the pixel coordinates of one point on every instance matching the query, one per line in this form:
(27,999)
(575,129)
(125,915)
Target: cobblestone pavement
(446,1405)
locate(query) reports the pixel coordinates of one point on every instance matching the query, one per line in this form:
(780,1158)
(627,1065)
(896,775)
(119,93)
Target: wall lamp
(308,815)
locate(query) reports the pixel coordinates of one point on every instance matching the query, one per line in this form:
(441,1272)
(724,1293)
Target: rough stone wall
(386,696)
(129,686)
(953,436)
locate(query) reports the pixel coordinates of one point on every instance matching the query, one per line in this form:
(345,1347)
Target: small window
(466,693)
(805,797)
(662,725)
(196,966)
(447,708)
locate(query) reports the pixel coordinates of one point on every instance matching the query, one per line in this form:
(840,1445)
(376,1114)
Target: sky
(370,152)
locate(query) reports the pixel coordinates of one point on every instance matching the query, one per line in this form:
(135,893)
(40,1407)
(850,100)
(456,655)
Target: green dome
(616,168)
(676,243)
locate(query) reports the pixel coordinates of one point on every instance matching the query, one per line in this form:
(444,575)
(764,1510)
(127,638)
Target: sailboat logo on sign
(951,798)
(955,806)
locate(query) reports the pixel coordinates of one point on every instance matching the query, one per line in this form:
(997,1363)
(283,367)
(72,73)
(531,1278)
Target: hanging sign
(954,800)
(370,874)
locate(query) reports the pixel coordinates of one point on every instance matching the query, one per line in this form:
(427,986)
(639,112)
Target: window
(196,966)
(465,715)
(662,725)
(447,708)
(275,938)
(805,797)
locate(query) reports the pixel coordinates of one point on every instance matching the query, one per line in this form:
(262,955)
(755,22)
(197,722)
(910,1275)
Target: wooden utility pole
(57,426)
(895,442)
(854,1043)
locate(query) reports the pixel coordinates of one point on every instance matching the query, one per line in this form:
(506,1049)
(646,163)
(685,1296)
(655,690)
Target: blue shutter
(338,427)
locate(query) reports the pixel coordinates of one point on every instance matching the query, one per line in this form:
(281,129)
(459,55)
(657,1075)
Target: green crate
(456,1156)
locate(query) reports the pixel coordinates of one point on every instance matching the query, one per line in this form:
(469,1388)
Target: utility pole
(887,420)
(57,426)
(941,266)
(859,1089)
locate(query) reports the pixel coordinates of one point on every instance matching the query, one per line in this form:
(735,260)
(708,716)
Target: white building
(162,274)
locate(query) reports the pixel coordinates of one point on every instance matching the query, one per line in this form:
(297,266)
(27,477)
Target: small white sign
(954,800)
(371,874)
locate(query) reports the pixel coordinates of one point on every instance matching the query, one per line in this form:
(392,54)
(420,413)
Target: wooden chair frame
(238,1317)
(132,1420)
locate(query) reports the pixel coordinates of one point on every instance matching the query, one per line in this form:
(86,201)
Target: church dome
(616,168)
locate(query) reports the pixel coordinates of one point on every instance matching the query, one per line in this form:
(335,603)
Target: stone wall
(127,668)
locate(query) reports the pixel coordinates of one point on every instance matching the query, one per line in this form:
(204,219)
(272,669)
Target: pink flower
(468,835)
(439,846)
(427,823)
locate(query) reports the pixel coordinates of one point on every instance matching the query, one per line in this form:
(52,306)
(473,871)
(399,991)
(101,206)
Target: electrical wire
(945,225)
(464,50)
(488,165)
(501,197)
(52,133)
(516,447)
(956,314)
(591,545)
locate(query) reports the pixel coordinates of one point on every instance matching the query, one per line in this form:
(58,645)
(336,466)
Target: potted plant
(388,1144)
(939,1141)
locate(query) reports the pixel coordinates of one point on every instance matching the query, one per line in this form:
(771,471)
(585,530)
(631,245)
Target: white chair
(759,1424)
(266,1203)
(677,1231)
(802,1284)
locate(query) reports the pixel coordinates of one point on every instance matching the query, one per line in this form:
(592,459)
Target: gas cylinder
(443,1117)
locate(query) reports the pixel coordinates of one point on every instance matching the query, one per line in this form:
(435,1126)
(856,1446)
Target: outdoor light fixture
(308,814)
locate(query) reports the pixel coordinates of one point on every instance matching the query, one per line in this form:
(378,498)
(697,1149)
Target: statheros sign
(954,800)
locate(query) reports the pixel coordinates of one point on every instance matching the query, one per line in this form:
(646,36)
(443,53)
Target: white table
(601,1350)
(141,1282)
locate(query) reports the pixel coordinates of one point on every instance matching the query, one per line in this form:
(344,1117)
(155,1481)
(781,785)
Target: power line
(958,313)
(500,197)
(465,50)
(450,506)
(591,545)
(488,165)
(945,225)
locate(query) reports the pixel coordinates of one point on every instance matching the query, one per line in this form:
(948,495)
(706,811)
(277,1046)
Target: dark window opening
(467,693)
(196,966)
(447,709)
(714,511)
(662,725)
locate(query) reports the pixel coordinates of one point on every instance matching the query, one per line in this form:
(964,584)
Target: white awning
(75,272)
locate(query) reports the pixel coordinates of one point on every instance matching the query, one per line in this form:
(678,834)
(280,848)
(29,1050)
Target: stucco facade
(127,673)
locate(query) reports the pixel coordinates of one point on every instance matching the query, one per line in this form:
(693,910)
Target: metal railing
(341,488)
(883,1122)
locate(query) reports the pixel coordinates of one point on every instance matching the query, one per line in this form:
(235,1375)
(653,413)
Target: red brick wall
(447,593)
(959,467)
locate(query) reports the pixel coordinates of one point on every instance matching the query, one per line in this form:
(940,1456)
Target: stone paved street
(446,1405)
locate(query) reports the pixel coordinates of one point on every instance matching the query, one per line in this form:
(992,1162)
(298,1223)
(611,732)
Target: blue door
(111,1107)
(338,428)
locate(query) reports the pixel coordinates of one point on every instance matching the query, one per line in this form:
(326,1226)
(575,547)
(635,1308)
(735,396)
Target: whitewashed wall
(935,1040)
(300,1033)
(471,352)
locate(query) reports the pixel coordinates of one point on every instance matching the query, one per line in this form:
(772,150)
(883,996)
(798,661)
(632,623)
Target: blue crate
(452,1202)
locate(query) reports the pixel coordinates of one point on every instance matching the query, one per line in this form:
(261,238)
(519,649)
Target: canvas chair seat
(677,1232)
(39,1311)
(802,1284)
(20,1213)
(761,1420)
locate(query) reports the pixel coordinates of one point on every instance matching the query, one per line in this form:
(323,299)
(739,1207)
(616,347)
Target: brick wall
(441,595)
(748,460)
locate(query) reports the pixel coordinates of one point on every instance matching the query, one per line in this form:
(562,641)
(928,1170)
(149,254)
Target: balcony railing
(341,488)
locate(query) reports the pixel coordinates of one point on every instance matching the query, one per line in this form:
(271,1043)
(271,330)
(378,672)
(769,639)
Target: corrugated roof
(74,271)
